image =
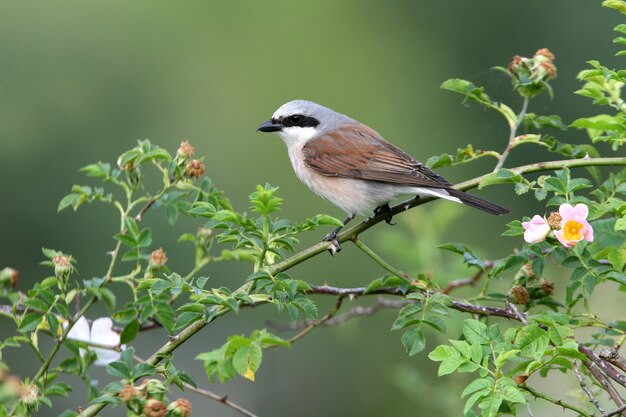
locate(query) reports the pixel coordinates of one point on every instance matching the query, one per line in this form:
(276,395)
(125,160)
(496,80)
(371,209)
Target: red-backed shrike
(352,166)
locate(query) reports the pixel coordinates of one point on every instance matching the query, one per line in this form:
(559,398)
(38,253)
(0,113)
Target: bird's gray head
(298,121)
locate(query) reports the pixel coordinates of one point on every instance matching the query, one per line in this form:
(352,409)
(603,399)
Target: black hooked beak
(270,126)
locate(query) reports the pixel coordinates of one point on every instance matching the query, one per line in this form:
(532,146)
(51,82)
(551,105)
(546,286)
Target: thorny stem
(585,388)
(512,135)
(319,322)
(560,403)
(380,261)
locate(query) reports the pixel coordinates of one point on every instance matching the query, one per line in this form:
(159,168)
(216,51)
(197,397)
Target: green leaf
(491,405)
(143,370)
(69,200)
(119,369)
(475,331)
(29,322)
(450,365)
(479,384)
(502,176)
(441,353)
(98,170)
(462,347)
(326,220)
(413,341)
(130,332)
(247,360)
(529,334)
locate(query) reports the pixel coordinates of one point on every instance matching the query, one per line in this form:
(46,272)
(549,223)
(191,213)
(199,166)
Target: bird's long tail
(479,203)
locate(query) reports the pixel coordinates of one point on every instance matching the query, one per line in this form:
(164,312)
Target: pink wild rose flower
(574,225)
(536,230)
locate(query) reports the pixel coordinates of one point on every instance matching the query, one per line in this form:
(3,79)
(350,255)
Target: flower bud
(185,150)
(132,172)
(547,287)
(195,168)
(28,395)
(554,220)
(180,408)
(8,278)
(153,388)
(128,393)
(519,295)
(530,75)
(154,408)
(203,237)
(157,258)
(545,52)
(62,268)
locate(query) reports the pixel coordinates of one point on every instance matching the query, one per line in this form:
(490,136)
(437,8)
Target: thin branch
(615,412)
(606,384)
(358,311)
(513,308)
(145,208)
(457,283)
(611,355)
(319,322)
(602,364)
(455,304)
(512,135)
(560,403)
(220,398)
(585,388)
(380,261)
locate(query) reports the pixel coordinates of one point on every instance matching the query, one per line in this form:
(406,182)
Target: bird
(353,167)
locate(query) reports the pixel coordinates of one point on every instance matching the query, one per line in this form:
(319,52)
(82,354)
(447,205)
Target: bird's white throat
(296,135)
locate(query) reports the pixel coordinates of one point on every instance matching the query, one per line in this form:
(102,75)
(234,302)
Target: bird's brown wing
(359,152)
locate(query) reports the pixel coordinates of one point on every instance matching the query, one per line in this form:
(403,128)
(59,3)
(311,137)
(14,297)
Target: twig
(521,317)
(455,304)
(145,208)
(380,261)
(512,135)
(602,364)
(560,403)
(358,311)
(319,322)
(220,398)
(615,412)
(606,384)
(611,355)
(452,285)
(583,385)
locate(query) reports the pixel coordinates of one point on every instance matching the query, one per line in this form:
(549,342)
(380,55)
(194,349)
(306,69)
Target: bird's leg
(384,208)
(332,236)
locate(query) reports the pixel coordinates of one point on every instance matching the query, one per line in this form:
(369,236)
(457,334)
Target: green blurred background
(82,81)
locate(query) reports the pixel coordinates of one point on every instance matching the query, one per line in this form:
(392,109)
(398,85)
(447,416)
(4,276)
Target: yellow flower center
(571,230)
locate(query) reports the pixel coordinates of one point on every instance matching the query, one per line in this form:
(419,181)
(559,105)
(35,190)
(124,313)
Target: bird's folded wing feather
(359,152)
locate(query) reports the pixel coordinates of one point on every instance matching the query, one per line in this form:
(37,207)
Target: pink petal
(536,229)
(588,232)
(566,210)
(561,238)
(581,211)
